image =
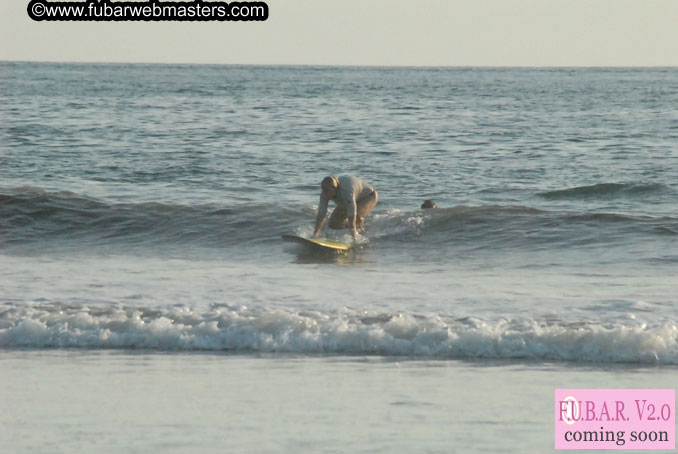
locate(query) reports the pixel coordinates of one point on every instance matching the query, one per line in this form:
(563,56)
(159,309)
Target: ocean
(149,304)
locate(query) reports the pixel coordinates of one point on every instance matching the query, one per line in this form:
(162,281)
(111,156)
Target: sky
(370,32)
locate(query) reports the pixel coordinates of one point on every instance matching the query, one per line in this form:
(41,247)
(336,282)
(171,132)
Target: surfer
(354,199)
(428,204)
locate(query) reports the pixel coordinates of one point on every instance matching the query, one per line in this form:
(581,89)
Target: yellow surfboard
(318,243)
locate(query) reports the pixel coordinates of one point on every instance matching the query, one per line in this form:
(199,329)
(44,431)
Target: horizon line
(327,65)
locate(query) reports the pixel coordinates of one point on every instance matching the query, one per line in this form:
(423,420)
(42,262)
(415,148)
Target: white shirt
(349,192)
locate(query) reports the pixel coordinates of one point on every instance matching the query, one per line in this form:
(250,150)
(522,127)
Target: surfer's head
(428,204)
(329,186)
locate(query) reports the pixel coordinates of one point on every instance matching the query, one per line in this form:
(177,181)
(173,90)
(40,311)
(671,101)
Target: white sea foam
(350,332)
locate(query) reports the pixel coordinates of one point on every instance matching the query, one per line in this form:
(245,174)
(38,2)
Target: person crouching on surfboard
(354,199)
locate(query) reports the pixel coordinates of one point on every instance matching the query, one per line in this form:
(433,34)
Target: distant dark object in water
(428,204)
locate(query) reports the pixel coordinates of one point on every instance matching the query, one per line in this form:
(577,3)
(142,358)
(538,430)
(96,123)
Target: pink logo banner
(615,418)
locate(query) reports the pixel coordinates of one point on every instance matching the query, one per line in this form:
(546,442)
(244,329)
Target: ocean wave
(344,332)
(605,190)
(31,215)
(496,226)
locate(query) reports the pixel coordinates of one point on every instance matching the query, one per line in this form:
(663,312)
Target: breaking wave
(345,332)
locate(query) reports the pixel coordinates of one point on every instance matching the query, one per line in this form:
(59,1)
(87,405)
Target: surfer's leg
(365,206)
(338,219)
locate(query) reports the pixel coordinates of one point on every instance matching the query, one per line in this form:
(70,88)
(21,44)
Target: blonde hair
(332,182)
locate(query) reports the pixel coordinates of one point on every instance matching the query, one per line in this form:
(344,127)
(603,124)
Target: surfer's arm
(320,217)
(352,215)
